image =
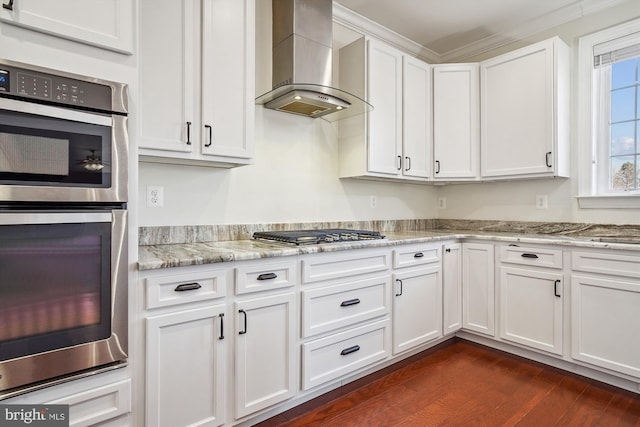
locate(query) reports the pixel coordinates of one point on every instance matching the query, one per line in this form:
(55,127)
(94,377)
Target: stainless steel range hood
(302,51)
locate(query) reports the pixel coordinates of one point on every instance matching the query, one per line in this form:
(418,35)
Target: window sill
(630,201)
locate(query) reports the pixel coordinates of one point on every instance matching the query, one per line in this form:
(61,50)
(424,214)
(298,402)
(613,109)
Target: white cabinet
(265,356)
(106,24)
(196,81)
(185,348)
(524,112)
(605,296)
(417,307)
(531,298)
(451,288)
(346,302)
(416,113)
(417,296)
(478,298)
(393,140)
(456,122)
(185,367)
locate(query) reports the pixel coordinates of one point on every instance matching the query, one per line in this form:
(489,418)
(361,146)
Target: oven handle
(55,112)
(28,218)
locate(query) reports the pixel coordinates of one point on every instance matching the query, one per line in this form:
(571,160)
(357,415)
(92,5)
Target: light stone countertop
(152,257)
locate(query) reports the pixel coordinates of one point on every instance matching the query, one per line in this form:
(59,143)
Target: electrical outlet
(442,202)
(155,196)
(542,201)
(373,202)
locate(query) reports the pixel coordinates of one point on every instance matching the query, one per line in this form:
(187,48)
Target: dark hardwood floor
(464,384)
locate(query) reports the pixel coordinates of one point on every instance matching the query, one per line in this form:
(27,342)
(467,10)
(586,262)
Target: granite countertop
(158,256)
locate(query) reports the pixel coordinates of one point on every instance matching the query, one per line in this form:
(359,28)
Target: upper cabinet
(393,140)
(524,112)
(456,121)
(106,24)
(197,81)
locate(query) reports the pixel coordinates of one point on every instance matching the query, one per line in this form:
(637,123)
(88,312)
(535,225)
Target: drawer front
(416,255)
(165,291)
(609,263)
(540,257)
(332,307)
(266,276)
(338,355)
(319,267)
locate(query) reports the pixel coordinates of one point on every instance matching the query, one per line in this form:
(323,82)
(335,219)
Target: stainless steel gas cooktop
(312,237)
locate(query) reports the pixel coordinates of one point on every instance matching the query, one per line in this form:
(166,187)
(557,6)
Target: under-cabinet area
(238,342)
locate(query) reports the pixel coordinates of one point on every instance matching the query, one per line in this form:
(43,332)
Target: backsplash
(210,233)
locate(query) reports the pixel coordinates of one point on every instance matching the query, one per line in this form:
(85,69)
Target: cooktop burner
(311,237)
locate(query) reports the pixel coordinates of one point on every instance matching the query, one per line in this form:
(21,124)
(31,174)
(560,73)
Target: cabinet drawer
(318,267)
(610,263)
(332,307)
(338,355)
(177,289)
(541,257)
(416,255)
(266,276)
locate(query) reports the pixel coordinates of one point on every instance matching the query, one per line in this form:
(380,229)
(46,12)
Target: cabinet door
(478,300)
(168,101)
(384,86)
(605,325)
(106,24)
(185,368)
(227,78)
(416,107)
(519,112)
(266,371)
(456,132)
(531,308)
(417,308)
(452,288)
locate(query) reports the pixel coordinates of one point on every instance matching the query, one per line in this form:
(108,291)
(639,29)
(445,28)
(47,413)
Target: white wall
(294,179)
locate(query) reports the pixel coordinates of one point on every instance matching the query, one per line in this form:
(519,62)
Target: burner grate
(312,237)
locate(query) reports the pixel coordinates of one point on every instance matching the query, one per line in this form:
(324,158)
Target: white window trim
(587,185)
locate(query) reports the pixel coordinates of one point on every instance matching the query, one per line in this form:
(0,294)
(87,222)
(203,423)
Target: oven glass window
(37,150)
(55,286)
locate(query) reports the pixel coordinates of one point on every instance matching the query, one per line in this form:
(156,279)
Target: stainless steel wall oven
(63,226)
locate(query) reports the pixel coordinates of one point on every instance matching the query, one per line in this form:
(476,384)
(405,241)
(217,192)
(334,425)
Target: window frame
(589,195)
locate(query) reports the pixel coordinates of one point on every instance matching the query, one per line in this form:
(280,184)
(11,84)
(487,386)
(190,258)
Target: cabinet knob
(437,166)
(267,276)
(8,6)
(350,350)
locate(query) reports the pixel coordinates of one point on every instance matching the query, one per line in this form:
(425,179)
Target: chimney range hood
(302,50)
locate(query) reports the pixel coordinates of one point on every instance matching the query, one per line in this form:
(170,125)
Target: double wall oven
(63,226)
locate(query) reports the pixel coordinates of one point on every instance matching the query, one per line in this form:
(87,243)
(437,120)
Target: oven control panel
(39,86)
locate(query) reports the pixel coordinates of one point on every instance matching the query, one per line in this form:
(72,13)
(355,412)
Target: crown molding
(365,26)
(358,23)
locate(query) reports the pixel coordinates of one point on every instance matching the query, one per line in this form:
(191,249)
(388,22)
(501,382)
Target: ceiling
(457,28)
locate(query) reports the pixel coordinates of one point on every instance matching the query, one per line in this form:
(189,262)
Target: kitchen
(293,175)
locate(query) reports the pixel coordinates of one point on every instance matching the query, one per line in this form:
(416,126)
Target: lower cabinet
(478,301)
(605,303)
(531,308)
(265,359)
(341,354)
(451,288)
(185,368)
(417,307)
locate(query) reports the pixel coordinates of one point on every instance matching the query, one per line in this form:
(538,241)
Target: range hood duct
(302,63)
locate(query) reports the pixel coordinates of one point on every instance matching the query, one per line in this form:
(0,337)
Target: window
(609,117)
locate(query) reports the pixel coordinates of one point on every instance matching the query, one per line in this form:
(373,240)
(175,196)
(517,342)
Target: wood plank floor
(465,384)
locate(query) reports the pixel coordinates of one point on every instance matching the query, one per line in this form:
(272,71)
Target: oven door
(53,154)
(63,294)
